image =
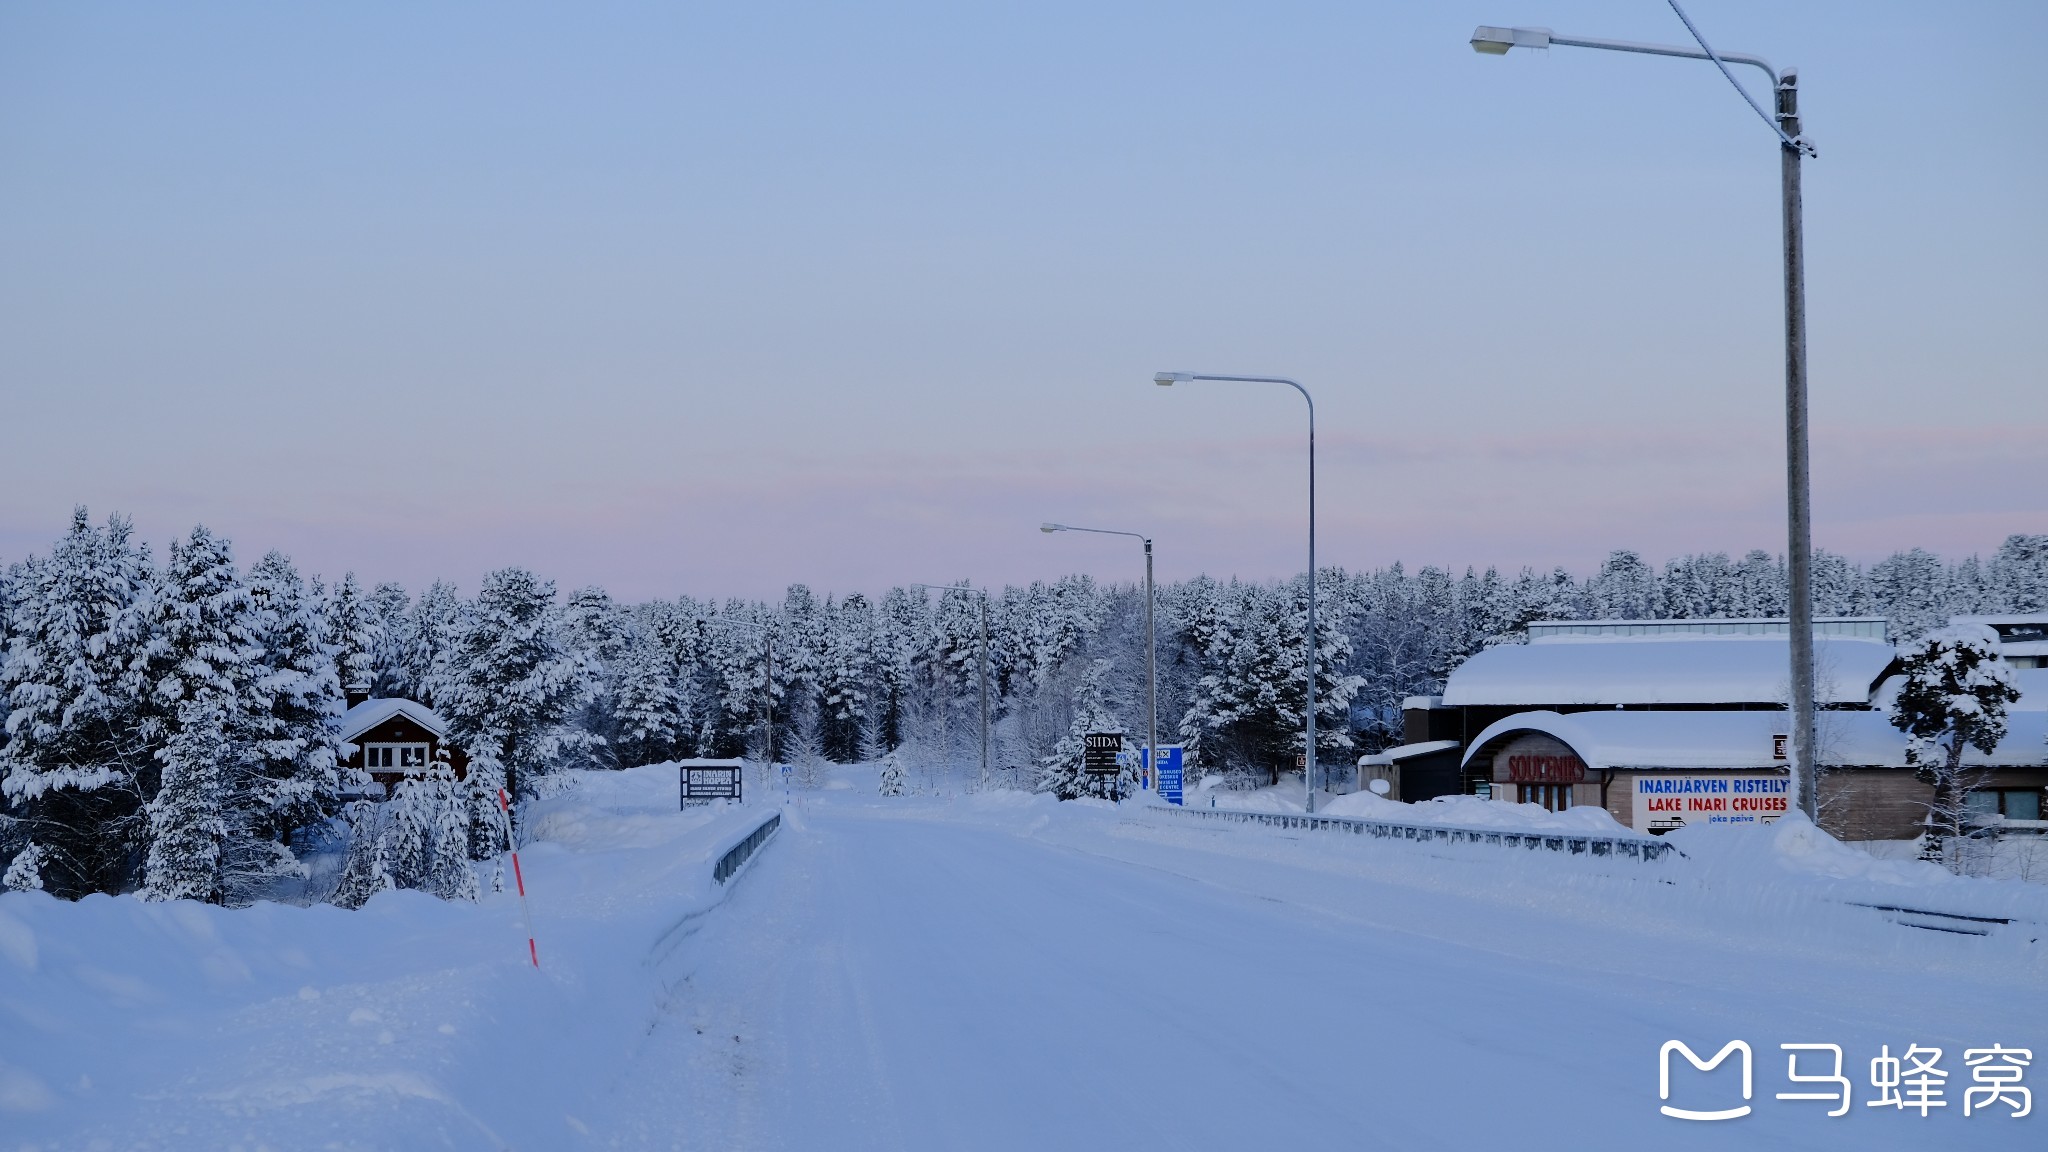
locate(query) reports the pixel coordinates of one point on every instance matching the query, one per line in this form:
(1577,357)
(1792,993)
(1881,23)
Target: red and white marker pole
(532,952)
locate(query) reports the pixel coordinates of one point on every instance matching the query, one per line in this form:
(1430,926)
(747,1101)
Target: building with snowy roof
(392,738)
(2022,639)
(1665,723)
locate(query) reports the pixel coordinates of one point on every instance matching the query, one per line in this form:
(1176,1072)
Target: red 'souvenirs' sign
(1532,768)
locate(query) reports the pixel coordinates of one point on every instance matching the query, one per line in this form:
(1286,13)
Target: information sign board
(1667,800)
(1170,774)
(1099,753)
(706,782)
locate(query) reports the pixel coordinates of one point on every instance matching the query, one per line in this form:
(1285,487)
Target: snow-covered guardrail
(1628,847)
(741,846)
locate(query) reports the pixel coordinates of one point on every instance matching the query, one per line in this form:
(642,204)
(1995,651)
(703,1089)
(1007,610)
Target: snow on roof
(370,713)
(2011,618)
(1739,740)
(1407,751)
(2033,686)
(1662,670)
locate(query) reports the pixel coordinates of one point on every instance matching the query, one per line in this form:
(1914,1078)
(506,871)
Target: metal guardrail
(738,853)
(1627,847)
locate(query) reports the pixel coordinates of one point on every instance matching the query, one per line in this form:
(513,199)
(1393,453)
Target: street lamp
(1167,380)
(1151,645)
(1792,147)
(984,665)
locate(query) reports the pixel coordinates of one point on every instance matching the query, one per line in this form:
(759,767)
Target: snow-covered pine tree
(2019,574)
(449,875)
(204,664)
(1763,582)
(844,676)
(648,717)
(294,779)
(1061,772)
(1837,585)
(77,754)
(436,620)
(352,628)
(1625,588)
(413,817)
(185,824)
(390,609)
(892,780)
(511,682)
(364,874)
(488,833)
(1954,698)
(1911,590)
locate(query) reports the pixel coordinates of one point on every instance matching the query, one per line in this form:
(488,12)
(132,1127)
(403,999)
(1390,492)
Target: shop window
(2011,803)
(1553,797)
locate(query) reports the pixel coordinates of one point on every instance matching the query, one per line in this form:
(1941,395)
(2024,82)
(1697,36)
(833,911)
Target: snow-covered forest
(170,726)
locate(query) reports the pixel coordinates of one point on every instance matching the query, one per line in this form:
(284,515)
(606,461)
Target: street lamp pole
(1792,149)
(1151,646)
(1308,763)
(984,666)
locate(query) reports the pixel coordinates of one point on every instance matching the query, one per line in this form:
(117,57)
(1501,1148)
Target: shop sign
(1541,759)
(1666,801)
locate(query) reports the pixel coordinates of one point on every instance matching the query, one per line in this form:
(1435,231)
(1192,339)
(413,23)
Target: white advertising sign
(1664,801)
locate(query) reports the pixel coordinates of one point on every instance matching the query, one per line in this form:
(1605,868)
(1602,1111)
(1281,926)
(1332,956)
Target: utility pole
(984,693)
(1151,679)
(1798,480)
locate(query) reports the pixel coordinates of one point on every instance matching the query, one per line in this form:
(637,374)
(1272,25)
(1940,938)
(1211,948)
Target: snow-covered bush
(25,871)
(420,838)
(892,775)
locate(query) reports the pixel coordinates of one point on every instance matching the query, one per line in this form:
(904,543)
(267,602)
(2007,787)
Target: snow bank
(132,1024)
(1474,812)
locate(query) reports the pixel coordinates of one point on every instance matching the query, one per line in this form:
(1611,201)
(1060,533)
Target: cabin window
(394,757)
(2011,803)
(1554,797)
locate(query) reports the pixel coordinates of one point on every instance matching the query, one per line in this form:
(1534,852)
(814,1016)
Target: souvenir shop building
(1673,722)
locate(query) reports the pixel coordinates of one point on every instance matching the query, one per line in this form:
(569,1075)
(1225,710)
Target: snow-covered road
(888,982)
(1005,972)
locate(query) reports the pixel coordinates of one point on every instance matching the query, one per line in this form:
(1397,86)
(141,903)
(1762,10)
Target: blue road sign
(1170,773)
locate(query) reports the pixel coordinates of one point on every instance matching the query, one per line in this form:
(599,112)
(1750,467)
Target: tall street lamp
(1168,379)
(944,588)
(1792,147)
(1151,644)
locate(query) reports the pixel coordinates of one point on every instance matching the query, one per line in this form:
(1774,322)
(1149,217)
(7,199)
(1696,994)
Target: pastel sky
(679,297)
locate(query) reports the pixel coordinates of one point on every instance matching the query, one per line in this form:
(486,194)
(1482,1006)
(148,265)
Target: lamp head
(1052,527)
(1167,379)
(1496,41)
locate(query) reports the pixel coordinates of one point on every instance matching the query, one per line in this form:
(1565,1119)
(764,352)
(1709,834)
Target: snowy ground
(1001,971)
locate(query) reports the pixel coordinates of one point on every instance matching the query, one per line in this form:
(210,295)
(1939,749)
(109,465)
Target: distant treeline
(126,682)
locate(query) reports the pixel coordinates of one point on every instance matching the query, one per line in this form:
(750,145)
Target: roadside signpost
(1168,778)
(708,780)
(1100,752)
